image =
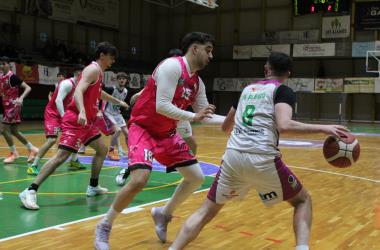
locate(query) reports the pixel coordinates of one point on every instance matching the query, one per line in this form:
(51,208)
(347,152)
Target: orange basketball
(341,152)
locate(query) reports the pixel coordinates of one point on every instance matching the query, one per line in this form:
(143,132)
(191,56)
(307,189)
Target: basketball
(341,152)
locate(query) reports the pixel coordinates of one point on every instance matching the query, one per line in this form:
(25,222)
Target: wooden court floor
(344,206)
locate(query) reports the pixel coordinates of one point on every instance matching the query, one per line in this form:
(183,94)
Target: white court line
(315,170)
(60,226)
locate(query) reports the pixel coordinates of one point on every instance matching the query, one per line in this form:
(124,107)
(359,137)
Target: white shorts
(241,171)
(184,129)
(116,119)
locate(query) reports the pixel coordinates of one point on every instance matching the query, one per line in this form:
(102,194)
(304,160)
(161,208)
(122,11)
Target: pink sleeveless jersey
(51,107)
(144,111)
(9,93)
(90,97)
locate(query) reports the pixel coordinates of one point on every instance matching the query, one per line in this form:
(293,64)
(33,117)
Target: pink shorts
(12,113)
(52,125)
(105,125)
(74,134)
(171,151)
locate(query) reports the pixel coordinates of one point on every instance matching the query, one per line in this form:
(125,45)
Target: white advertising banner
(314,50)
(265,50)
(336,27)
(301,84)
(242,52)
(47,75)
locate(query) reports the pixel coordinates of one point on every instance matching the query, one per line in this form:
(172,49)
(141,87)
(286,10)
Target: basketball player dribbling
(79,125)
(252,158)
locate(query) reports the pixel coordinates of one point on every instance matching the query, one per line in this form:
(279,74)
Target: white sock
(74,157)
(302,247)
(36,160)
(12,148)
(111,215)
(29,145)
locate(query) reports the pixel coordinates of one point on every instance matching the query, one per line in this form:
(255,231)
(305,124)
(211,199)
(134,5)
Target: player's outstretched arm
(229,122)
(283,114)
(110,98)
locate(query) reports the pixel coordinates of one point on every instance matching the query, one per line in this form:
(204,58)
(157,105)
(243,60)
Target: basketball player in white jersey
(114,114)
(252,158)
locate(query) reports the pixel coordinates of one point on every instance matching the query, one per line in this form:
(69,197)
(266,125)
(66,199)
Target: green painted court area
(62,197)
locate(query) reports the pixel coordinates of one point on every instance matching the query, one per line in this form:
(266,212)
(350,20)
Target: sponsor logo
(292,181)
(238,130)
(186,93)
(268,196)
(231,195)
(181,81)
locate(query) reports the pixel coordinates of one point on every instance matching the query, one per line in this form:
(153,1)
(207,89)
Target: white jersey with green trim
(114,109)
(255,129)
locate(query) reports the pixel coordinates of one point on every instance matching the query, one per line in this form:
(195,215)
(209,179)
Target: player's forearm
(171,111)
(60,107)
(295,126)
(214,120)
(78,97)
(109,98)
(26,91)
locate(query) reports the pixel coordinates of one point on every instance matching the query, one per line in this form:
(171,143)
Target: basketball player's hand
(336,130)
(82,119)
(204,113)
(18,101)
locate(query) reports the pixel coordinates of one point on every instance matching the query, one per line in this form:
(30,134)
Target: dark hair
(105,48)
(280,63)
(175,52)
(5,59)
(122,75)
(61,74)
(196,37)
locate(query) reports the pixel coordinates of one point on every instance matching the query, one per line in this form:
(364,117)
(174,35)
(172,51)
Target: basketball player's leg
(302,217)
(33,168)
(96,142)
(140,165)
(29,196)
(6,132)
(195,223)
(228,184)
(32,149)
(174,153)
(51,128)
(275,182)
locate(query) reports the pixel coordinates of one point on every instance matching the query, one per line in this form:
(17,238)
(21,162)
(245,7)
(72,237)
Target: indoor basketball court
(335,47)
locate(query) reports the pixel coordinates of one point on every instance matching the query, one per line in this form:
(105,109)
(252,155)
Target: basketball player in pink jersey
(54,111)
(10,86)
(79,125)
(169,91)
(252,158)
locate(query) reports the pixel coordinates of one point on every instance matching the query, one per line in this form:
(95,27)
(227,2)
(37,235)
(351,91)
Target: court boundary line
(128,210)
(316,170)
